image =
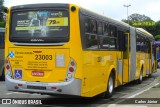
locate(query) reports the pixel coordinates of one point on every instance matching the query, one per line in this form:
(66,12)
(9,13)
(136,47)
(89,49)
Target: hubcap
(110,85)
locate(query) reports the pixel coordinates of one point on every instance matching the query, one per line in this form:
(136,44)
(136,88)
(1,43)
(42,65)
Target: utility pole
(127,11)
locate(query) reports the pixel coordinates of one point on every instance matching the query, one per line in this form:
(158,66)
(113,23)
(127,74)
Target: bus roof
(90,13)
(102,17)
(144,32)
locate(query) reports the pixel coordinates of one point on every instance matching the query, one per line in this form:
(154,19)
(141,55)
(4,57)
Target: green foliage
(157,37)
(144,22)
(139,18)
(157,26)
(2,21)
(1,5)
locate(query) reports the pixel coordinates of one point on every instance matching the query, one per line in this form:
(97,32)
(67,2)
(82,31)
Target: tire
(150,75)
(110,86)
(140,78)
(2,78)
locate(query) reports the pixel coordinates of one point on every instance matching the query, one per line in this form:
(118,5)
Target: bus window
(106,42)
(93,26)
(92,42)
(106,30)
(112,43)
(91,34)
(100,28)
(86,24)
(113,37)
(43,26)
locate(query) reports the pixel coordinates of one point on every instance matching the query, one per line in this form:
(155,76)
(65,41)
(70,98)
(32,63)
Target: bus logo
(11,54)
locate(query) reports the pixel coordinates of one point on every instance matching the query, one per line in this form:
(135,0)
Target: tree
(157,27)
(2,21)
(157,37)
(142,21)
(139,18)
(1,5)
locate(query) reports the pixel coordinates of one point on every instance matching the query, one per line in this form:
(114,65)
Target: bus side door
(126,57)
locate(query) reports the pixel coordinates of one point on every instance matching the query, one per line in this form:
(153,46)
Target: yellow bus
(65,49)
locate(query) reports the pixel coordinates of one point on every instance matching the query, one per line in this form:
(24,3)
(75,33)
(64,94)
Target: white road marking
(116,105)
(16,93)
(34,94)
(11,93)
(132,96)
(142,91)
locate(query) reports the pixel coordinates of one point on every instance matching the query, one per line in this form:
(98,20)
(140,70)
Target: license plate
(36,87)
(37,73)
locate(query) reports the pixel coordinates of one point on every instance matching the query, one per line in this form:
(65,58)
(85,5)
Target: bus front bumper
(72,87)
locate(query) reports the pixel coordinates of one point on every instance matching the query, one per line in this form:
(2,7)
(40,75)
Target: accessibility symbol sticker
(11,54)
(17,74)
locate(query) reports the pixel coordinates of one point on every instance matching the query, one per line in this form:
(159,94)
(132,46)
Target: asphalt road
(52,101)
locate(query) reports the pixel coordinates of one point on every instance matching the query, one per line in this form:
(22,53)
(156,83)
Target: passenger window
(92,42)
(112,43)
(113,37)
(112,31)
(93,26)
(149,46)
(106,43)
(87,28)
(100,28)
(138,46)
(106,31)
(91,38)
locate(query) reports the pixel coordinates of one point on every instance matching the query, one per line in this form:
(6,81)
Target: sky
(111,8)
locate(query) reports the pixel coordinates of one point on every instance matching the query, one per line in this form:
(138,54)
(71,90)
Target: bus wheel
(140,78)
(110,87)
(2,78)
(150,75)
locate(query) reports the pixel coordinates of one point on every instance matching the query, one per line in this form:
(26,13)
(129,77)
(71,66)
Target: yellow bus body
(93,67)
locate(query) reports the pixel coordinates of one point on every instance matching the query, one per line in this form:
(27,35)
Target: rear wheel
(150,75)
(2,78)
(110,87)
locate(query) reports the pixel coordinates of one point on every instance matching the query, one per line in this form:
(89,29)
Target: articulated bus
(64,49)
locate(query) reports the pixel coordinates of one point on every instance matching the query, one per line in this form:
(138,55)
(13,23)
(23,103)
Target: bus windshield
(43,25)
